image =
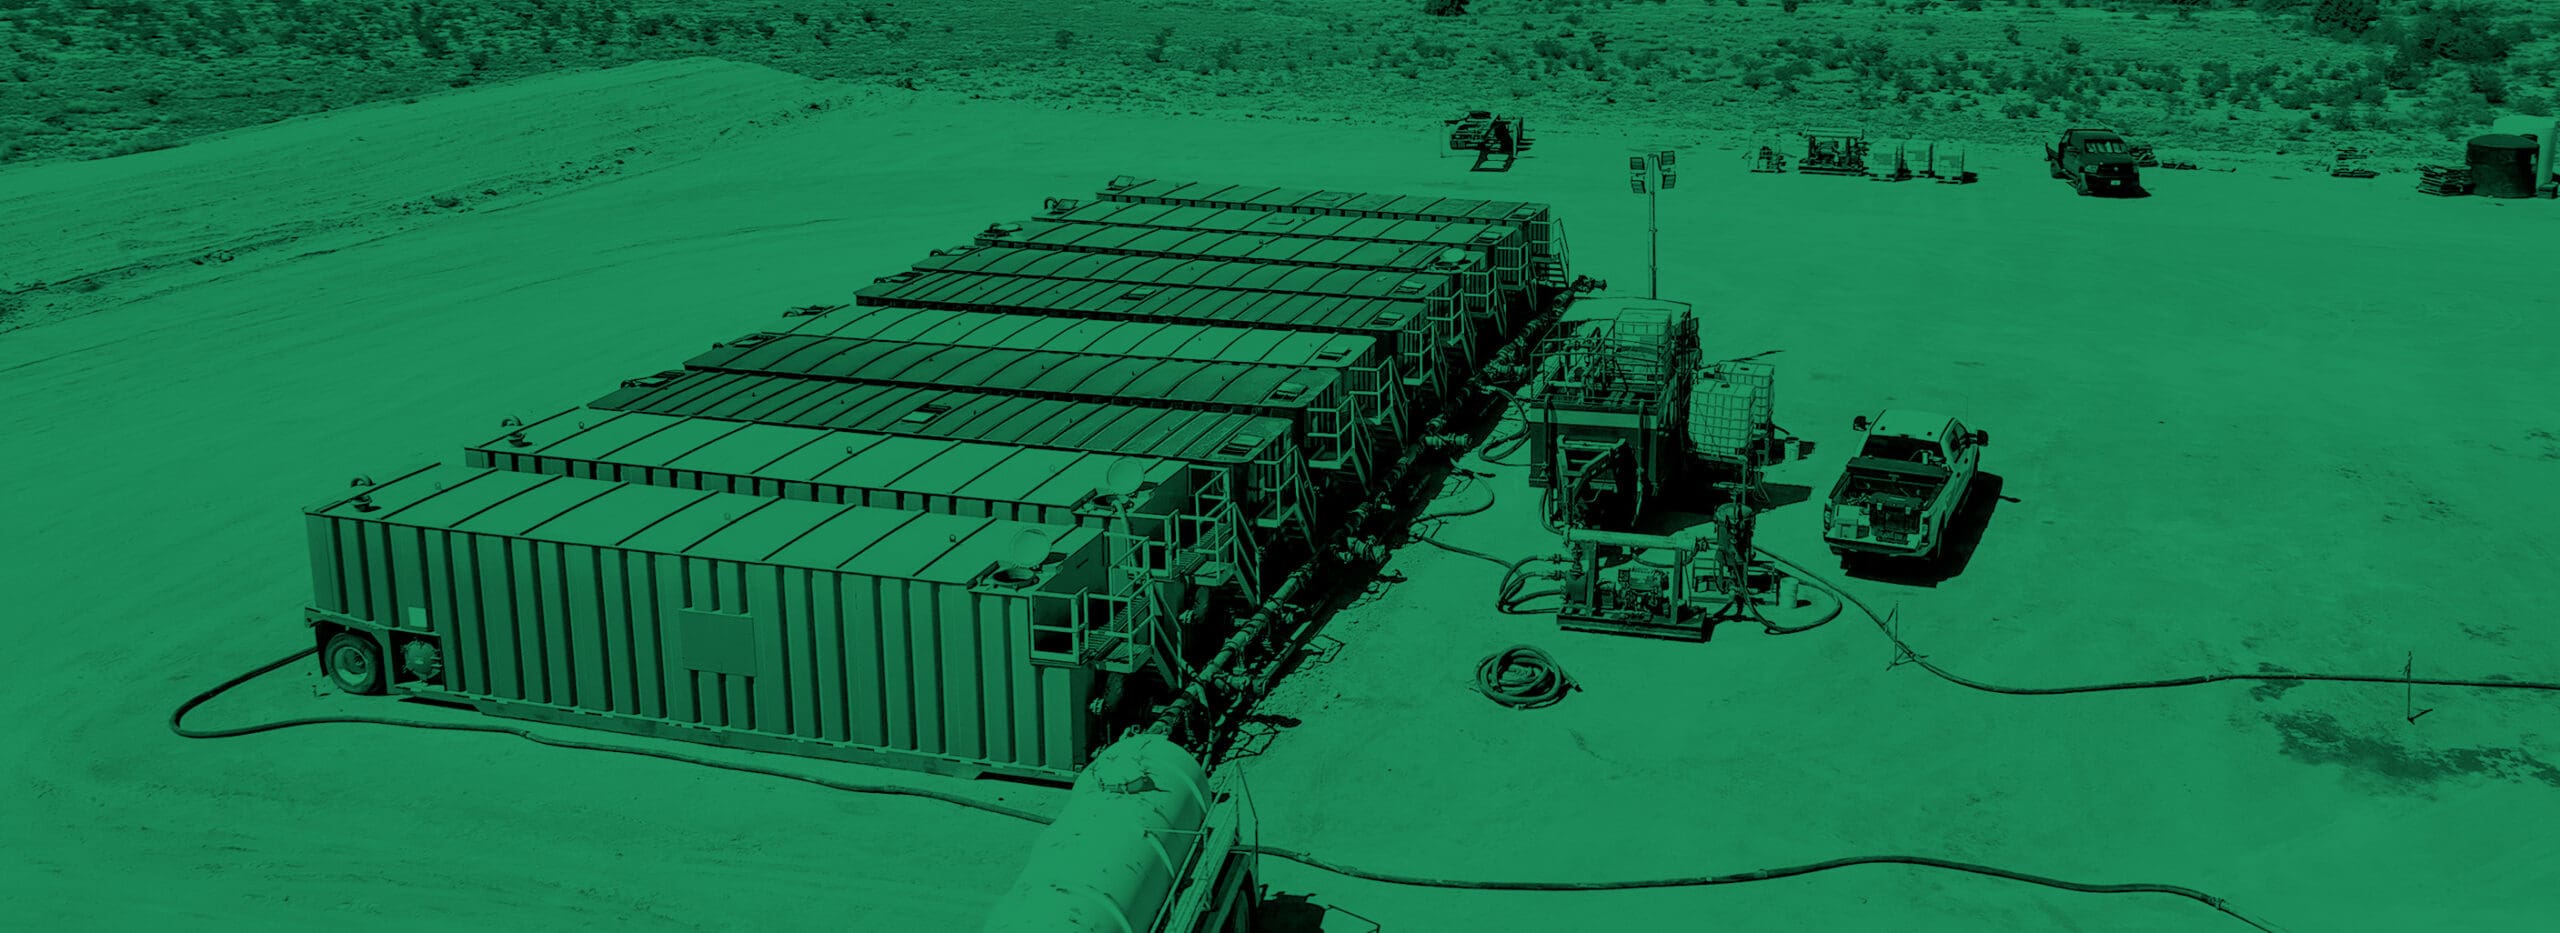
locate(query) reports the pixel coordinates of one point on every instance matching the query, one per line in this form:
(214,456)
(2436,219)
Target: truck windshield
(2104,145)
(1910,449)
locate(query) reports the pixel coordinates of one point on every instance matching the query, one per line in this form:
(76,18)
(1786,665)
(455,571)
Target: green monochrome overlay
(1280,465)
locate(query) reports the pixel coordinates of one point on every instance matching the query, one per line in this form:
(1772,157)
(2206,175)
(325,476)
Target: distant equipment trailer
(1504,246)
(924,641)
(1832,151)
(1496,140)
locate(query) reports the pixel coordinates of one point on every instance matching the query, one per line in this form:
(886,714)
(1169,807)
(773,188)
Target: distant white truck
(1902,490)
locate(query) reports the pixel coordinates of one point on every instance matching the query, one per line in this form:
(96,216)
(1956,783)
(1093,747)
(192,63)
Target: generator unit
(1607,406)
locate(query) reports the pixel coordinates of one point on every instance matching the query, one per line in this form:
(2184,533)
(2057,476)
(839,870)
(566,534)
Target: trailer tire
(353,661)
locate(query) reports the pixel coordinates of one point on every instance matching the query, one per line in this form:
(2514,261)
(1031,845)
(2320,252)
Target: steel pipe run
(1216,672)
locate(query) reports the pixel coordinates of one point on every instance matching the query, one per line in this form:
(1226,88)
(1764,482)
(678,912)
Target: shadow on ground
(1299,913)
(1964,535)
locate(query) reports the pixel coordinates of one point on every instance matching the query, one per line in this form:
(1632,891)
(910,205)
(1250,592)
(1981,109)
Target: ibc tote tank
(1111,860)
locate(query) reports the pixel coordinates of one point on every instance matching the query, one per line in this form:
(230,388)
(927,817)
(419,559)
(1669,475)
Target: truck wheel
(354,662)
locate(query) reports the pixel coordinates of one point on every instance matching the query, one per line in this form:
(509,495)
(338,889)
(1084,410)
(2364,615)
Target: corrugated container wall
(827,631)
(1267,471)
(1371,376)
(1504,246)
(1402,327)
(1546,237)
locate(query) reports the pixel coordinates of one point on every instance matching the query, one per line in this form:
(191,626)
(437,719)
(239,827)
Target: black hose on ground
(1522,677)
(177,724)
(1906,655)
(1766,874)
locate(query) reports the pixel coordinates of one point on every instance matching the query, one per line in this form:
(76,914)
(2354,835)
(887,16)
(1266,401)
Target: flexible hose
(177,724)
(1765,874)
(1522,677)
(1906,655)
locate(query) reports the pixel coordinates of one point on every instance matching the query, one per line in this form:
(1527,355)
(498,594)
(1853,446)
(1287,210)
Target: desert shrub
(1444,7)
(2345,17)
(1793,70)
(2070,45)
(2531,103)
(1757,79)
(1065,38)
(2489,82)
(2453,33)
(2010,32)
(1164,37)
(2020,110)
(1969,6)
(1788,5)
(1548,47)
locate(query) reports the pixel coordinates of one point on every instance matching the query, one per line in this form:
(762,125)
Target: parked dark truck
(1901,492)
(2094,162)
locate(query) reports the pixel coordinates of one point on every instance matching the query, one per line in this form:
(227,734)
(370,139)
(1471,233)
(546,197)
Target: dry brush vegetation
(89,78)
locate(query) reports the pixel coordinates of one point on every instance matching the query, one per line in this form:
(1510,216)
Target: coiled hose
(1522,677)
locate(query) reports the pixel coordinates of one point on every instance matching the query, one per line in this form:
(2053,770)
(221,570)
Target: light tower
(1650,174)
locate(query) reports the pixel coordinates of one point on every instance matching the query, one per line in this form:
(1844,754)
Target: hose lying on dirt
(1522,677)
(177,724)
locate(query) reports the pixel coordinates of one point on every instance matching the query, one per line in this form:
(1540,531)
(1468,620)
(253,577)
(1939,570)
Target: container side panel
(1024,685)
(404,579)
(897,666)
(740,699)
(548,583)
(498,617)
(1059,744)
(995,676)
(919,626)
(469,665)
(827,670)
(671,575)
(648,641)
(434,598)
(590,662)
(620,623)
(710,696)
(963,728)
(810,645)
(380,571)
(860,606)
(776,681)
(326,592)
(350,561)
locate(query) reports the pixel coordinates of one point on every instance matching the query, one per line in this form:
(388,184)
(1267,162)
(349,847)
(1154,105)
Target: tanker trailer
(1145,845)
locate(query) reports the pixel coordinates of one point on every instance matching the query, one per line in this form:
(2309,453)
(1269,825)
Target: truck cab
(1901,492)
(2095,162)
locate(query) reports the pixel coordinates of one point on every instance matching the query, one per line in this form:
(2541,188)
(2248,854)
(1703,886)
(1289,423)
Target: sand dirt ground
(2247,421)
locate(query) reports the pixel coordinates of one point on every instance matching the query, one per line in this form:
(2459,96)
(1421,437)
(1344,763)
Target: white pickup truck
(1902,490)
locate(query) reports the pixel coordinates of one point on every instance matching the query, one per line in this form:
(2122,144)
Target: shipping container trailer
(1170,529)
(1504,246)
(1548,257)
(1267,472)
(882,636)
(1318,407)
(1400,326)
(1438,293)
(1472,271)
(1371,375)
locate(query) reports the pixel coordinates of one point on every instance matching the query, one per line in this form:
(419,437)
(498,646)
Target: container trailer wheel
(354,662)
